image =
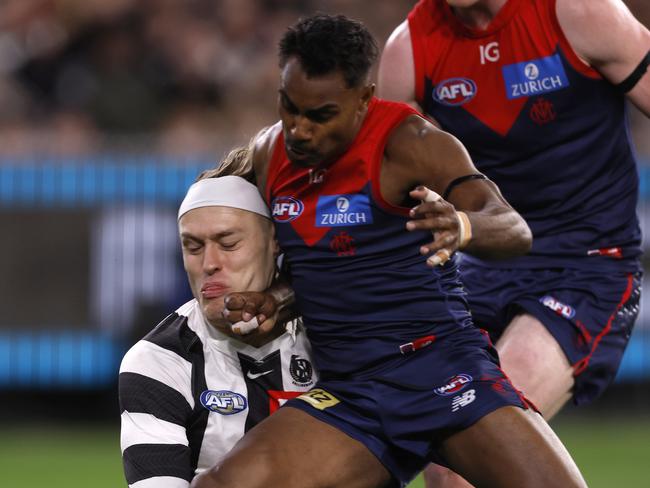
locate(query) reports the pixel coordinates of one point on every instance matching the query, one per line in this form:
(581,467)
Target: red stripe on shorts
(581,365)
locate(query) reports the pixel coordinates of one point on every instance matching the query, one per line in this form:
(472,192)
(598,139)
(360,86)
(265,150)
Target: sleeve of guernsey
(156,403)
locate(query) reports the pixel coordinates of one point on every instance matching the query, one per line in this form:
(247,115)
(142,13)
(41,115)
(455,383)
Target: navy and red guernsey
(360,282)
(519,98)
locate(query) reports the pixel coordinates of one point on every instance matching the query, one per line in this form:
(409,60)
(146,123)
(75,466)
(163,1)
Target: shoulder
(396,76)
(397,52)
(178,332)
(416,137)
(163,360)
(604,33)
(264,146)
(400,36)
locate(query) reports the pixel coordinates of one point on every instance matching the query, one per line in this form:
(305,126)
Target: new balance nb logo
(463,400)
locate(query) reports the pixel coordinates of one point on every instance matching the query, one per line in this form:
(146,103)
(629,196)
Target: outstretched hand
(247,306)
(439,217)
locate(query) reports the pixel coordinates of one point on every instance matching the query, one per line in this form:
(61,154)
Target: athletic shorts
(403,412)
(590,314)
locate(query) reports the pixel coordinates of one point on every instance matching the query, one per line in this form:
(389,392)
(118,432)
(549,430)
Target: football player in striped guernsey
(189,389)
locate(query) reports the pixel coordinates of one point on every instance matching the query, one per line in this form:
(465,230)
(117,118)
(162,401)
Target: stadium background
(108,111)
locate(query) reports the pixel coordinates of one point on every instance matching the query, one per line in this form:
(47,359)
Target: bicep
(450,165)
(609,38)
(396,77)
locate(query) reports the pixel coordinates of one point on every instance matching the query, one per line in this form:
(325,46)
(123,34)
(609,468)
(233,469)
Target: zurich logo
(531,71)
(453,385)
(286,209)
(342,204)
(454,91)
(224,402)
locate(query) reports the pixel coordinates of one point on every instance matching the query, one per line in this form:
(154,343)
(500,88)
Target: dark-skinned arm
(418,154)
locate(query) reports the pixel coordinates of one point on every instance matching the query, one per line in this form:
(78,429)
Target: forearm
(497,230)
(498,234)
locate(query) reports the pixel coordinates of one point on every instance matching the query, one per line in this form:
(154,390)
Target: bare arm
(420,154)
(605,34)
(396,77)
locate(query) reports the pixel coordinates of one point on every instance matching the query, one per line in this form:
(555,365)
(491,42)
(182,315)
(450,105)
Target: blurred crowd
(174,77)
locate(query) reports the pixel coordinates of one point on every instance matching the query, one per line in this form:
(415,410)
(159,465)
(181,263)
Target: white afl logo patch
(224,402)
(453,385)
(454,91)
(286,209)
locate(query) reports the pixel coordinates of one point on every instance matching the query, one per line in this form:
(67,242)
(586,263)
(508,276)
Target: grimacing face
(226,250)
(320,115)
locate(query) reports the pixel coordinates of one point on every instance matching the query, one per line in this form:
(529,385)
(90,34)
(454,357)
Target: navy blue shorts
(403,412)
(590,313)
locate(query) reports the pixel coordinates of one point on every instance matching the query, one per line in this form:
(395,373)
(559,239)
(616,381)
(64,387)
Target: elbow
(524,241)
(207,479)
(527,244)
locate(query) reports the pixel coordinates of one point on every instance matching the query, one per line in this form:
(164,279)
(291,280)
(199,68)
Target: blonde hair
(238,162)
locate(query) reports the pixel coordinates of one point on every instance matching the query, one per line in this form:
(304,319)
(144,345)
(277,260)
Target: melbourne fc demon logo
(542,112)
(342,245)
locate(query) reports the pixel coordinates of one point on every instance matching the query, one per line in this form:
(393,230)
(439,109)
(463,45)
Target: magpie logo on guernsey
(224,402)
(453,385)
(454,91)
(534,77)
(301,371)
(286,209)
(343,210)
(558,307)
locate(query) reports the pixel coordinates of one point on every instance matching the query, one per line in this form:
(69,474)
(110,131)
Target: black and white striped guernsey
(188,393)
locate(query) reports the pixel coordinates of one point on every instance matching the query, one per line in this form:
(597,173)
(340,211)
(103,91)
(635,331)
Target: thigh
(589,313)
(536,364)
(511,447)
(293,449)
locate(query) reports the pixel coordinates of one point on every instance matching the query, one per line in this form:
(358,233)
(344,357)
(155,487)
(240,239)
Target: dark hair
(327,43)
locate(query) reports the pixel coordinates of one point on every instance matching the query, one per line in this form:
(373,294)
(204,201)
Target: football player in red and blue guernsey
(535,89)
(405,376)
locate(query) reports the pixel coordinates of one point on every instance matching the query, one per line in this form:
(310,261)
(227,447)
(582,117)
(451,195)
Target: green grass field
(612,453)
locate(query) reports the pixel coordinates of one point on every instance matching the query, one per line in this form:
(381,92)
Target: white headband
(225,191)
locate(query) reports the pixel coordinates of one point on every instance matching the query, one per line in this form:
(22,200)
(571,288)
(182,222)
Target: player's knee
(252,470)
(436,476)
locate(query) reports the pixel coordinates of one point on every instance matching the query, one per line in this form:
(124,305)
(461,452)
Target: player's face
(226,250)
(320,115)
